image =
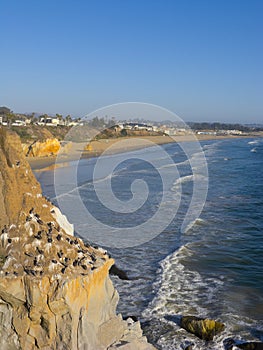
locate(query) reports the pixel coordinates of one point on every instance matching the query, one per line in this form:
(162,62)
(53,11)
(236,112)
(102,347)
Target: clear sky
(201,59)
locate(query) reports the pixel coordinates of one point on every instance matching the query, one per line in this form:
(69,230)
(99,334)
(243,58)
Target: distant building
(206,133)
(19,122)
(1,120)
(136,126)
(49,121)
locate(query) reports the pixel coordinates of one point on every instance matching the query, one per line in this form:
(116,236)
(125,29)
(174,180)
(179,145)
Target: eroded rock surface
(45,148)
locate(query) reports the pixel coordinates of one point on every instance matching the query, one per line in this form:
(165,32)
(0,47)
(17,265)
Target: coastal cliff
(55,291)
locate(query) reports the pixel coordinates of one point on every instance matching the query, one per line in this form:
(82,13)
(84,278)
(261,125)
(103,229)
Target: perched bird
(29,254)
(4,230)
(40,251)
(38,235)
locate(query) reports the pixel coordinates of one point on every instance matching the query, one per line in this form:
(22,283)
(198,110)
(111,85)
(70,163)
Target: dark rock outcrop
(114,270)
(230,343)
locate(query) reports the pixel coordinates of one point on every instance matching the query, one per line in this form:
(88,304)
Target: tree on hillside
(33,118)
(10,118)
(5,110)
(68,119)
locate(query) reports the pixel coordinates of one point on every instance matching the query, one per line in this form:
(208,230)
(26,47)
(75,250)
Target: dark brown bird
(29,254)
(40,251)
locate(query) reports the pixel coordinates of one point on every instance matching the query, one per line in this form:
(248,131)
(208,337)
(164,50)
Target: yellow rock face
(61,314)
(203,328)
(43,149)
(88,147)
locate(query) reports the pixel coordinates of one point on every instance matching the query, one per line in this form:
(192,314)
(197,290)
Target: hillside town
(11,119)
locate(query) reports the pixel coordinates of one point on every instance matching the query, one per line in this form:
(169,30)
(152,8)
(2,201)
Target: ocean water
(215,269)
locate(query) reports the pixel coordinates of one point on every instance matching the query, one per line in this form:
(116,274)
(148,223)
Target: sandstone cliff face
(45,148)
(55,291)
(49,147)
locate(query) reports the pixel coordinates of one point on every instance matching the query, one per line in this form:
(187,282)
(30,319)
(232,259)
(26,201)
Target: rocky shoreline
(55,291)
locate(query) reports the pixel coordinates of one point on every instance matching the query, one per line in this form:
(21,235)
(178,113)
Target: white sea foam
(185,162)
(182,180)
(180,290)
(253,142)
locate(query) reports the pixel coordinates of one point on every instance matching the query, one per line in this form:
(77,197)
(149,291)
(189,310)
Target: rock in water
(46,301)
(251,346)
(204,329)
(114,270)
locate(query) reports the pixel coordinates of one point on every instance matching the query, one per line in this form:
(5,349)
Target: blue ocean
(214,269)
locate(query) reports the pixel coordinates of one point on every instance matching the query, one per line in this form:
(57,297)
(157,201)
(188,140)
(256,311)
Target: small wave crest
(182,180)
(253,142)
(181,290)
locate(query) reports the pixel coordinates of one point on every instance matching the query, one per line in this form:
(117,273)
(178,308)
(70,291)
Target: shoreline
(110,146)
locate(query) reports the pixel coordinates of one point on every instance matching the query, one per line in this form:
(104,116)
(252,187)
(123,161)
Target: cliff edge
(55,291)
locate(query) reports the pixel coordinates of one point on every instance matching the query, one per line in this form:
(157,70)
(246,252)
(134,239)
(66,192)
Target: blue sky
(201,59)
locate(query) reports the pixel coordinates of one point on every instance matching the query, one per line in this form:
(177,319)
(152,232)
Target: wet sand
(113,146)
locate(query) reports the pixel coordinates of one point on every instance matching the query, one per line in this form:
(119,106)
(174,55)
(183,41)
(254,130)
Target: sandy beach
(117,145)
